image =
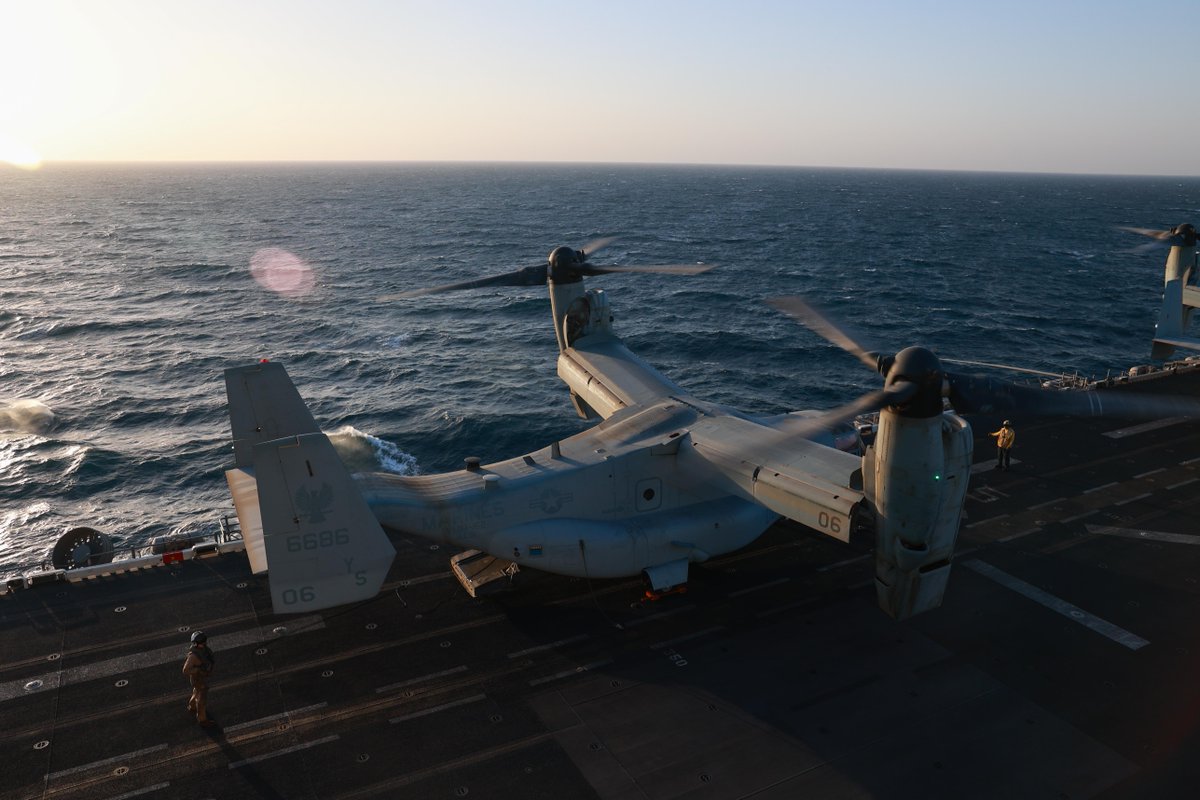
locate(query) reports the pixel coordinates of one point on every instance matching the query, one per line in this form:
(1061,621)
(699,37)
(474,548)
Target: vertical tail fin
(303,518)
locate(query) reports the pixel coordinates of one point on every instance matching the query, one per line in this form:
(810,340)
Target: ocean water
(125,290)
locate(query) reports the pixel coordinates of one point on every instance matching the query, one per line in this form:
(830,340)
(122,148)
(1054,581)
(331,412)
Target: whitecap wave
(26,416)
(361,452)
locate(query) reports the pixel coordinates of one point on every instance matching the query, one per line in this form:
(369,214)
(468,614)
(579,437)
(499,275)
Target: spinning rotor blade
(1179,236)
(563,264)
(819,323)
(596,245)
(528,276)
(916,384)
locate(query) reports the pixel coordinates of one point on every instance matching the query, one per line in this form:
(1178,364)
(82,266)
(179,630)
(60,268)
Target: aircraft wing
(608,376)
(810,483)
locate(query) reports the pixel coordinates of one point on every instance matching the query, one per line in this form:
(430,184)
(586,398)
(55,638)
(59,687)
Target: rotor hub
(920,367)
(1187,232)
(564,265)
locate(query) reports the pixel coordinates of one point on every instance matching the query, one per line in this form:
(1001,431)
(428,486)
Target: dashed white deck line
(1065,520)
(140,792)
(443,707)
(542,647)
(1132,533)
(1181,484)
(153,658)
(844,563)
(759,587)
(986,521)
(1189,461)
(566,673)
(294,748)
(1100,488)
(687,637)
(658,616)
(1060,606)
(1019,534)
(414,681)
(1047,503)
(770,612)
(105,762)
(1121,433)
(1129,500)
(282,715)
(1151,472)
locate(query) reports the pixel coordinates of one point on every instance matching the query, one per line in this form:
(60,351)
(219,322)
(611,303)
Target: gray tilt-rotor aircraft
(665,480)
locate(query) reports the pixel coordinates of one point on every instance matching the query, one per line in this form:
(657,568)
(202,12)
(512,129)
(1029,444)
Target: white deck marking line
(272,718)
(770,612)
(422,679)
(1047,503)
(750,589)
(1189,461)
(1121,433)
(151,658)
(568,672)
(283,752)
(1072,612)
(1183,483)
(1100,488)
(1151,472)
(1131,533)
(1020,534)
(843,563)
(1134,499)
(140,792)
(658,616)
(687,637)
(444,706)
(986,521)
(104,761)
(551,646)
(1065,520)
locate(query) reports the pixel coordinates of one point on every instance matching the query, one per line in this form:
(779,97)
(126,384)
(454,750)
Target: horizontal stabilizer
(1187,344)
(324,547)
(263,405)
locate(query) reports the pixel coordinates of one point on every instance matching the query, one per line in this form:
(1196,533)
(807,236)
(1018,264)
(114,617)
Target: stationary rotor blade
(816,321)
(979,393)
(528,276)
(661,269)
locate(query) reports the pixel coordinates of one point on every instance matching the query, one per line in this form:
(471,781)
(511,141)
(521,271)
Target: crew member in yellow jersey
(1005,437)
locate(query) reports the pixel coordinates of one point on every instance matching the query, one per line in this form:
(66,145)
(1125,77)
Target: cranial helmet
(1007,423)
(199,637)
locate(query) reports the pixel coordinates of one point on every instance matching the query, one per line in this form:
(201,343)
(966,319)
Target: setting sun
(18,155)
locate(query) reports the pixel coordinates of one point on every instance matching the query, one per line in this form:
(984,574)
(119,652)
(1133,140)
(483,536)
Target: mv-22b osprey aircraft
(665,480)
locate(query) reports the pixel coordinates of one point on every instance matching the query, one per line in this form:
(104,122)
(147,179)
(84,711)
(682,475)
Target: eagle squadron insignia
(313,504)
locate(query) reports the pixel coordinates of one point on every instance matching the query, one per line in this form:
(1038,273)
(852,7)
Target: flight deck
(1063,663)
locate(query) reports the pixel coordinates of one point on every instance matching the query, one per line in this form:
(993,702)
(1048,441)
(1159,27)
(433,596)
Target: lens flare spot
(282,272)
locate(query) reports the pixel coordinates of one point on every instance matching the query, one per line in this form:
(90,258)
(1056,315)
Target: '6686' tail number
(316,540)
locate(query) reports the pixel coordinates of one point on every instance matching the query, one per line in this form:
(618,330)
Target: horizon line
(570,163)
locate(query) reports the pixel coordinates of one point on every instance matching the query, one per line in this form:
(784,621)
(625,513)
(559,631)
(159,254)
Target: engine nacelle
(915,478)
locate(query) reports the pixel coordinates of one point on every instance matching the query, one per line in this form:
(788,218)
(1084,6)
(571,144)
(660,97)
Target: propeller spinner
(564,265)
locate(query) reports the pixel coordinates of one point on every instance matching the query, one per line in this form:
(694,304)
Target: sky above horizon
(1047,86)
